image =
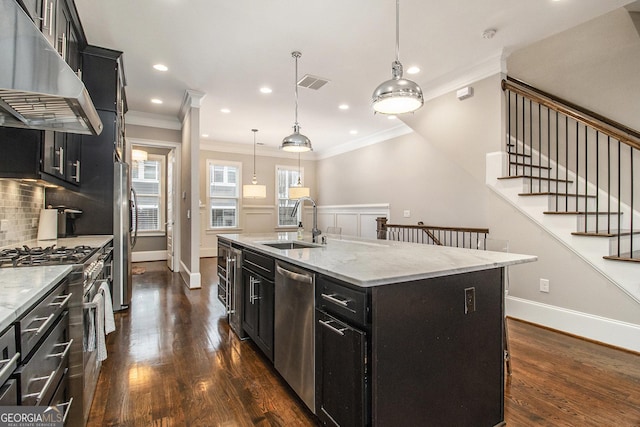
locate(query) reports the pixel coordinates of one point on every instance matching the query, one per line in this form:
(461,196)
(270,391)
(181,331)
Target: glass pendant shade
(398,95)
(254,190)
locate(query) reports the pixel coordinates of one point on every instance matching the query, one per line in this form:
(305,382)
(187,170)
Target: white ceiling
(228,50)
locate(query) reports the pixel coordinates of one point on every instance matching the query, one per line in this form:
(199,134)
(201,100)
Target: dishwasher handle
(304,278)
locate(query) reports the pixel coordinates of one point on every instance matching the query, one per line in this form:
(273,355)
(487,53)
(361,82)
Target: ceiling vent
(312,82)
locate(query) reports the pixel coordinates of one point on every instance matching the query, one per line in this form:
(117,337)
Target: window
(147,179)
(224,183)
(286,176)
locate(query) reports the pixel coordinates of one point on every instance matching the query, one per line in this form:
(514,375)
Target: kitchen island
(405,334)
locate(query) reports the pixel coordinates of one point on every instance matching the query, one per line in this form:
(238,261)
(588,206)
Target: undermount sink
(290,245)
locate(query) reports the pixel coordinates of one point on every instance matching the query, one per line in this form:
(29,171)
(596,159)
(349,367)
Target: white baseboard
(192,280)
(601,329)
(148,256)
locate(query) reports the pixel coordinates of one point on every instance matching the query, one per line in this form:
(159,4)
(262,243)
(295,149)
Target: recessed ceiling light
(353,132)
(392,117)
(160,67)
(205,135)
(343,107)
(225,110)
(413,70)
(266,89)
(156,101)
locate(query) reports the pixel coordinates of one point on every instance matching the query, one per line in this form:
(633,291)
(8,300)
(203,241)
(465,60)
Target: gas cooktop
(51,255)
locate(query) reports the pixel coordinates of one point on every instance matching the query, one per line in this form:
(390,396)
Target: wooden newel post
(382,227)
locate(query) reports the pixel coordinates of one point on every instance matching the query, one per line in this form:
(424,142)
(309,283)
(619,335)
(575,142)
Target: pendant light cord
(254,151)
(296,55)
(397,30)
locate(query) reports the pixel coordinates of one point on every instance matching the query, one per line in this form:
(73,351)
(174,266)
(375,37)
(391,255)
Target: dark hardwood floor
(174,362)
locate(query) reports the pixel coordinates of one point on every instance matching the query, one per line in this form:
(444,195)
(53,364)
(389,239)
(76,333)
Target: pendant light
(398,95)
(297,191)
(296,142)
(253,190)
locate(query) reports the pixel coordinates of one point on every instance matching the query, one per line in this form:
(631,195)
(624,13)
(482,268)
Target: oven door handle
(65,352)
(63,302)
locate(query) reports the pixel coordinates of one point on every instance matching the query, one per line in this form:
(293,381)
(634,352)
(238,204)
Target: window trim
(161,230)
(238,165)
(293,168)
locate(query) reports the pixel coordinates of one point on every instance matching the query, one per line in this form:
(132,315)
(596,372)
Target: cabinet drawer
(342,301)
(41,374)
(8,356)
(9,393)
(260,264)
(36,322)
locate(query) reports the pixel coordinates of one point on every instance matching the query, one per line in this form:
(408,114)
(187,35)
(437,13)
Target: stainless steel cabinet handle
(42,327)
(7,368)
(63,353)
(68,405)
(40,395)
(77,175)
(253,282)
(51,19)
(63,302)
(332,298)
(327,324)
(61,160)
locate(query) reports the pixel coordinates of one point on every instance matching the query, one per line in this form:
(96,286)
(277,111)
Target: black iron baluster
(586,180)
(577,183)
(608,184)
(597,180)
(619,197)
(539,144)
(566,165)
(557,161)
(631,208)
(524,162)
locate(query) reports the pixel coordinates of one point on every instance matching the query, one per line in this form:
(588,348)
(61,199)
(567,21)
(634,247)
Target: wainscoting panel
(355,220)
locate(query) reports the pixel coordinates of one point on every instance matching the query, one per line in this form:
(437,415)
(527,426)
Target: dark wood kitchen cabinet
(258,300)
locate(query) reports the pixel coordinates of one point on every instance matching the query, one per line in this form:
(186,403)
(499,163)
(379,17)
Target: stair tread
(535,177)
(630,257)
(550,193)
(530,166)
(581,213)
(610,233)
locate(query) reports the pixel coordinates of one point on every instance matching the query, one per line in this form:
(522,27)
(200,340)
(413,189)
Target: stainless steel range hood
(38,90)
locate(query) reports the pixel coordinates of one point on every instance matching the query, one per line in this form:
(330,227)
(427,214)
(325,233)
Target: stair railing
(461,237)
(583,161)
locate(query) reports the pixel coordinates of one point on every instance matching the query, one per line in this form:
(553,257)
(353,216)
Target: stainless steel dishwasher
(294,339)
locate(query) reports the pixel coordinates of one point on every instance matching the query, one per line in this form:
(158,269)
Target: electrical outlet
(4,225)
(469,300)
(544,285)
(34,222)
(407,213)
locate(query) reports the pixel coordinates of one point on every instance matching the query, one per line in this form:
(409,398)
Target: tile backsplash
(20,205)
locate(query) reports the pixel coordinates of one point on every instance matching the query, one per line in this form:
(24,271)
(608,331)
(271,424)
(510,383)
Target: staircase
(572,171)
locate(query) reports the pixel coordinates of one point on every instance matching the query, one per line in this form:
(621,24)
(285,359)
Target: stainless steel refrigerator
(124,235)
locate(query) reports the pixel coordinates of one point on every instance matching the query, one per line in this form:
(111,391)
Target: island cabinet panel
(432,364)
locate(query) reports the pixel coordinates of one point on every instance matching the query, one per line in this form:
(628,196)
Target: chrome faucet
(315,232)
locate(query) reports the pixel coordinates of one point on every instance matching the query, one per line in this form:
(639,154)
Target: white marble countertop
(96,240)
(368,263)
(21,287)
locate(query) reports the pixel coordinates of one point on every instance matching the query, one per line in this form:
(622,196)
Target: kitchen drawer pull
(68,405)
(6,369)
(66,350)
(257,265)
(40,395)
(327,324)
(332,298)
(63,302)
(42,327)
